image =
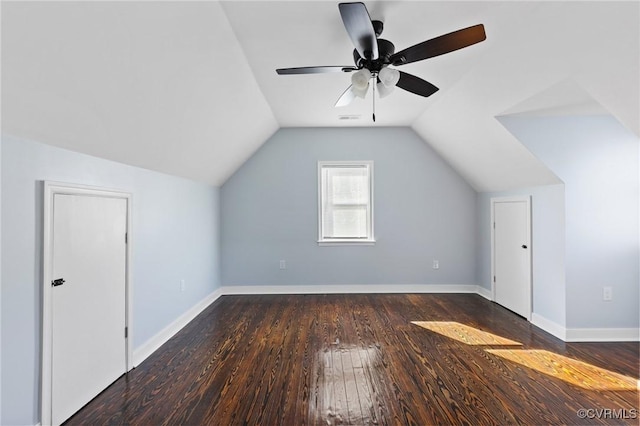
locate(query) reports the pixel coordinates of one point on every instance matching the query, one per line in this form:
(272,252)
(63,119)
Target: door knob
(56,283)
(524,246)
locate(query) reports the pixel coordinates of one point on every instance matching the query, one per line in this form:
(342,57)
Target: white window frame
(328,241)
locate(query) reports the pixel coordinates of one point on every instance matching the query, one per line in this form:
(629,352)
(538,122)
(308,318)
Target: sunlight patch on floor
(572,371)
(464,333)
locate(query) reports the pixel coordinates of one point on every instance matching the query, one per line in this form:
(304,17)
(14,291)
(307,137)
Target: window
(345,202)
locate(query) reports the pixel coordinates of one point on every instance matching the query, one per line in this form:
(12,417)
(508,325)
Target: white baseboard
(549,326)
(603,335)
(484,292)
(557,330)
(151,345)
(586,334)
(349,288)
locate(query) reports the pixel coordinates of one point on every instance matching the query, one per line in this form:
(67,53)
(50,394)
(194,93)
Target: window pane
(349,186)
(349,223)
(345,201)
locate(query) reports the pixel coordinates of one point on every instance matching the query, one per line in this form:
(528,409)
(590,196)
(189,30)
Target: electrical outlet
(283,264)
(607,293)
(182,285)
(436,264)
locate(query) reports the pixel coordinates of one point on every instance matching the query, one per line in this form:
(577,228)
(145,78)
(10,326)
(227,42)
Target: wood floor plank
(363,359)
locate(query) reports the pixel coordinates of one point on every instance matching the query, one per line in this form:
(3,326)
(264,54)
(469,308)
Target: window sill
(337,242)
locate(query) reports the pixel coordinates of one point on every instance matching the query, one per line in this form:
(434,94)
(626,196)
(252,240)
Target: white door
(512,254)
(88,310)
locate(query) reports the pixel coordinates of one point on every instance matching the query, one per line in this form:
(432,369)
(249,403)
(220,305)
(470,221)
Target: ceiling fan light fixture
(383,90)
(360,79)
(389,77)
(360,92)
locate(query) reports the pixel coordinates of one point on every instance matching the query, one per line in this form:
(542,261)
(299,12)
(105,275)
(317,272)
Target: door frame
(527,200)
(50,190)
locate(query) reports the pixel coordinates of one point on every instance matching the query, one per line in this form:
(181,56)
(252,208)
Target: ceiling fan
(373,56)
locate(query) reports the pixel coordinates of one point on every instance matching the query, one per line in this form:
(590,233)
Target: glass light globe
(389,77)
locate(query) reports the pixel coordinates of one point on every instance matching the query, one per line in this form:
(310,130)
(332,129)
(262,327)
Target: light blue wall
(597,159)
(423,211)
(175,236)
(547,247)
(0,277)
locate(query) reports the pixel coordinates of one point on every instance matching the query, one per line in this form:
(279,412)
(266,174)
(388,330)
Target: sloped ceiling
(160,85)
(564,98)
(190,89)
(538,47)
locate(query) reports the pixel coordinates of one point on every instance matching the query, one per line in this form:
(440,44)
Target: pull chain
(374,99)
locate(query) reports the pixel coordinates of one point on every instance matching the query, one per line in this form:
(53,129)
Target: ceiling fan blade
(440,45)
(346,98)
(315,70)
(416,85)
(358,24)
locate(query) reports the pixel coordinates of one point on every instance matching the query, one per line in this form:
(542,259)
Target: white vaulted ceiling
(190,89)
(160,85)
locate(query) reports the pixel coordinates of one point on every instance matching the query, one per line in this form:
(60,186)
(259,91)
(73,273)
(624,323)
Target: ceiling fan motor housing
(385,50)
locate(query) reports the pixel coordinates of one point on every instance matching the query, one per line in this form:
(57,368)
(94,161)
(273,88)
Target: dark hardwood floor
(415,359)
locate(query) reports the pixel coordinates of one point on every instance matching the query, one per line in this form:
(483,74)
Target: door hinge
(494,278)
(126,332)
(126,237)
